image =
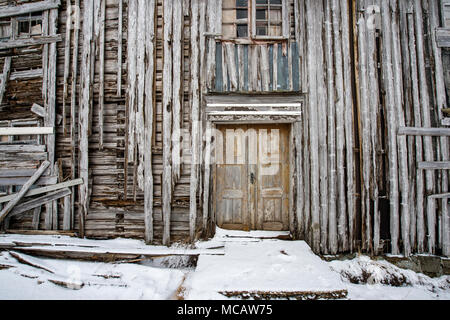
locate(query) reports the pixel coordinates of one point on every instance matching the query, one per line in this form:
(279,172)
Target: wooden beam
(5,77)
(15,10)
(434,165)
(38,110)
(26,74)
(440,196)
(19,43)
(26,131)
(20,181)
(443,37)
(29,205)
(167,188)
(24,190)
(412,131)
(43,190)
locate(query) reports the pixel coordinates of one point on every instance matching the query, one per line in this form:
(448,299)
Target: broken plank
(24,190)
(29,261)
(411,131)
(42,190)
(26,206)
(434,165)
(5,77)
(20,181)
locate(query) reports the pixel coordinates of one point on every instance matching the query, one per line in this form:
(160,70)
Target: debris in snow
(364,270)
(273,295)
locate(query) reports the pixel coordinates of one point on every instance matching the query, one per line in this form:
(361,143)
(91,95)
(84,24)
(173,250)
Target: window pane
(261,1)
(261,14)
(242,31)
(261,29)
(275,1)
(242,14)
(241,3)
(275,15)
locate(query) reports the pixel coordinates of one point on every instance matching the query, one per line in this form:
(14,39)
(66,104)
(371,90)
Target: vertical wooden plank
(177,54)
(241,67)
(51,104)
(101,65)
(83,113)
(401,140)
(119,48)
(5,77)
(36,217)
(340,134)
(275,67)
(148,114)
(73,105)
(441,100)
(313,124)
(348,119)
(67,61)
(132,77)
(167,187)
(392,126)
(331,133)
(265,76)
(231,66)
(426,122)
(195,118)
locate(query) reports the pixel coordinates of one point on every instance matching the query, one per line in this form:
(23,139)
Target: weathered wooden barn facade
(161,119)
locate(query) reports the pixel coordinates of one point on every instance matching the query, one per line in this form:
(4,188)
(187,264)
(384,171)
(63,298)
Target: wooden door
(252,177)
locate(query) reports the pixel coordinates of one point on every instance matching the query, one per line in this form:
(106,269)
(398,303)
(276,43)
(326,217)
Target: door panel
(252,177)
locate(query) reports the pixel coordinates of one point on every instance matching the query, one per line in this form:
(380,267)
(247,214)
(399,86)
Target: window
(29,25)
(252,18)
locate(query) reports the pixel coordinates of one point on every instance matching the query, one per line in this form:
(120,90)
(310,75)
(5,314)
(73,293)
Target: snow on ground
(104,281)
(253,261)
(264,265)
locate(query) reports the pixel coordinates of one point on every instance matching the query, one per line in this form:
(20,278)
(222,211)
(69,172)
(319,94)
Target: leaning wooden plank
(37,191)
(434,165)
(24,190)
(5,77)
(20,181)
(18,43)
(26,131)
(15,10)
(48,198)
(412,131)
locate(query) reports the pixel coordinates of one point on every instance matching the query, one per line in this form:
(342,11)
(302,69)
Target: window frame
(251,24)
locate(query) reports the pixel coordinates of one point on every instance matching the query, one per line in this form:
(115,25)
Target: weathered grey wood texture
(139,75)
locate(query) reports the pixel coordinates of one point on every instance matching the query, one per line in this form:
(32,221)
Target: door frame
(248,109)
